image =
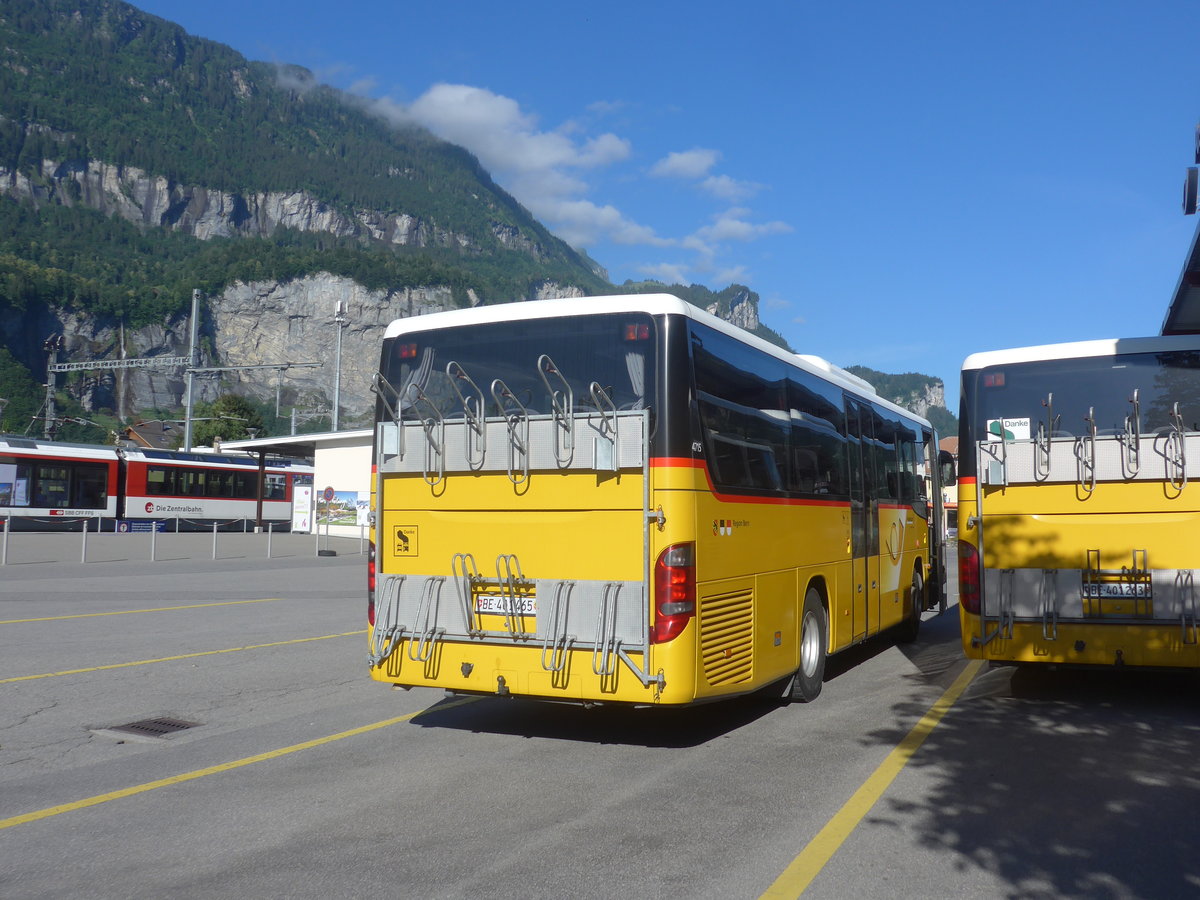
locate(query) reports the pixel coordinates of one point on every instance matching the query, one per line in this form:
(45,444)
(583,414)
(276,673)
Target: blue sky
(902,184)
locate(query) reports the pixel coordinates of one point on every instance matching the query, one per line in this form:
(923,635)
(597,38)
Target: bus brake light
(371,584)
(969,582)
(674,592)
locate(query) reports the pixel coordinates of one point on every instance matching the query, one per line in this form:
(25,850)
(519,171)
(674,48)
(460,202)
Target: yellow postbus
(628,500)
(1077,521)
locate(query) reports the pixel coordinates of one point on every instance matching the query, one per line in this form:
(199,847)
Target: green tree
(22,393)
(229,418)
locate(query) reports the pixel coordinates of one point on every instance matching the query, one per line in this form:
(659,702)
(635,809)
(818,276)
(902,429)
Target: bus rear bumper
(1151,644)
(485,669)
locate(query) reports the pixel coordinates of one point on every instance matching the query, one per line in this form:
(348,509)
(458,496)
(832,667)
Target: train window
(276,487)
(156,481)
(90,489)
(15,479)
(52,487)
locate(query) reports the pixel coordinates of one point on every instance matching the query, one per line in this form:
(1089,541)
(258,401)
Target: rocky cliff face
(742,310)
(205,213)
(262,323)
(256,324)
(921,401)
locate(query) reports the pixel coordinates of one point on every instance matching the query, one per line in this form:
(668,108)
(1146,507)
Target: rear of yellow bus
(1079,497)
(521,546)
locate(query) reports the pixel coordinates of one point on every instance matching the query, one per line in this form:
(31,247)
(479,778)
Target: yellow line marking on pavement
(127,612)
(805,867)
(223,767)
(146,662)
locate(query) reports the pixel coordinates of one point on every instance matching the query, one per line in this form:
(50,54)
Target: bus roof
(1081,350)
(653,304)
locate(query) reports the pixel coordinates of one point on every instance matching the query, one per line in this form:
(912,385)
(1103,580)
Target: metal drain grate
(159,727)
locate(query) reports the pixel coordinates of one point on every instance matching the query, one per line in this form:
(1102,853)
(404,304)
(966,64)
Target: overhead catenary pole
(53,344)
(339,322)
(191,375)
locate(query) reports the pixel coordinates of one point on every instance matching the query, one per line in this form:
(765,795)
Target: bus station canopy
(299,446)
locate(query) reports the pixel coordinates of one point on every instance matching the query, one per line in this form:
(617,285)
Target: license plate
(500,605)
(1115,590)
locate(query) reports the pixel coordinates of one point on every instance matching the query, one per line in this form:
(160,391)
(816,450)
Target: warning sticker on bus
(500,605)
(406,540)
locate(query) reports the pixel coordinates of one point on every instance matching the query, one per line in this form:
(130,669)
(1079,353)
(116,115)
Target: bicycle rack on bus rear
(435,434)
(421,647)
(562,404)
(1185,589)
(516,418)
(557,641)
(1176,450)
(474,414)
(608,646)
(1133,580)
(388,630)
(1048,602)
(455,444)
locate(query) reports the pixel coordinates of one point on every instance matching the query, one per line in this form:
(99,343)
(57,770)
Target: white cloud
(605,107)
(582,223)
(667,273)
(729,189)
(538,167)
(550,172)
(732,225)
(694,163)
(730,275)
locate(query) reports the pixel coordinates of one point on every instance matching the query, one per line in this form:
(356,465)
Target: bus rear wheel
(908,630)
(814,631)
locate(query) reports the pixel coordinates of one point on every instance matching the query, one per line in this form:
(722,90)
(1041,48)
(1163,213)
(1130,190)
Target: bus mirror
(921,507)
(946,467)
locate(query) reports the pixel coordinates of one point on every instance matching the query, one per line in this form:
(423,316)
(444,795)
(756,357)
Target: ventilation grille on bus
(727,637)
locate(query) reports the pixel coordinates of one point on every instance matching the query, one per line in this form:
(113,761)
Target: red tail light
(969,581)
(371,584)
(674,592)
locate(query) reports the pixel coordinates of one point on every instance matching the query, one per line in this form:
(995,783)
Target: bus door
(864,522)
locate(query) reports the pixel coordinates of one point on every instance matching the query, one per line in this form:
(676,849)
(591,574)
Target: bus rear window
(615,352)
(1068,394)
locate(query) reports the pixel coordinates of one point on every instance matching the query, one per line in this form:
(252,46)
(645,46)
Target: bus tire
(908,630)
(814,640)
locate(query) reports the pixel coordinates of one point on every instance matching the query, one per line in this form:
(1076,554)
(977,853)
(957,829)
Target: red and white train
(46,486)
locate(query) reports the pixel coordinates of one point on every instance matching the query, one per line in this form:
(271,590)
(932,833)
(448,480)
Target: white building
(342,463)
